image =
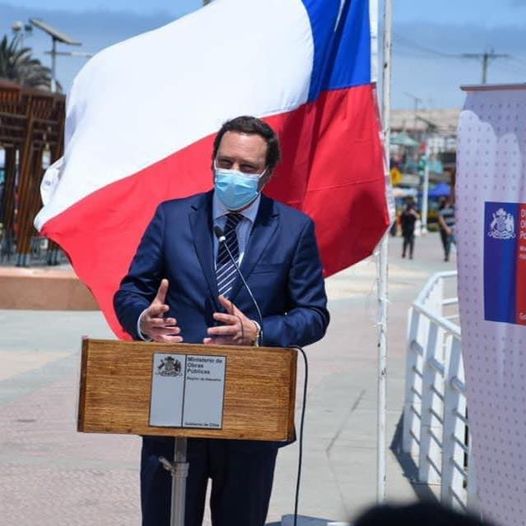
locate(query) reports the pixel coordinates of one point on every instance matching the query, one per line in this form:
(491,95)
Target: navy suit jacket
(281,265)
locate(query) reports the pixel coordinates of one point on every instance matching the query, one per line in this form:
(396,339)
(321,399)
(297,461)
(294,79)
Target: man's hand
(154,325)
(236,328)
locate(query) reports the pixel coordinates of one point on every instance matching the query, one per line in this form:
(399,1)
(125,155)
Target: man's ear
(265,179)
(213,172)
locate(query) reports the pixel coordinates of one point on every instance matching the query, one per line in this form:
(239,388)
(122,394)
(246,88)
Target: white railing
(435,430)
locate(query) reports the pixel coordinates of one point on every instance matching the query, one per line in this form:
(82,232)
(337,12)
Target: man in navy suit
(181,286)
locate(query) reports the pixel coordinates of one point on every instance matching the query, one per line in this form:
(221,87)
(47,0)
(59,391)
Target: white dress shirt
(243,229)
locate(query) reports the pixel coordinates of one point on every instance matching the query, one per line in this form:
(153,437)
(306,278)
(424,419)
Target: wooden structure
(31,126)
(116,380)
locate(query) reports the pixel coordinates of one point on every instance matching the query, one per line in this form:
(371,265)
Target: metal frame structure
(31,124)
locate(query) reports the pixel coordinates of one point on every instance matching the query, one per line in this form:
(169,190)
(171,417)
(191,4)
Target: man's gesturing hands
(237,329)
(152,322)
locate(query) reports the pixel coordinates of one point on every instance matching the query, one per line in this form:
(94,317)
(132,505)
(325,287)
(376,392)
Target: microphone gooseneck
(218,231)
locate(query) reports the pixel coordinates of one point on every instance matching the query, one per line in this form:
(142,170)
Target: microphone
(220,235)
(218,231)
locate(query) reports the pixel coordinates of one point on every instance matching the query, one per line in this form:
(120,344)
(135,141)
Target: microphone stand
(179,471)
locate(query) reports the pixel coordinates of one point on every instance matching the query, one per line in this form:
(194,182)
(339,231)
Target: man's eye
(224,164)
(248,169)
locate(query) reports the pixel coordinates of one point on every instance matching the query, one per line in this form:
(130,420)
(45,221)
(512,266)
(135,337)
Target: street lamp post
(54,65)
(56,36)
(21,30)
(425,190)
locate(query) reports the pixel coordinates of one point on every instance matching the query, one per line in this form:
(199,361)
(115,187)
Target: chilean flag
(142,115)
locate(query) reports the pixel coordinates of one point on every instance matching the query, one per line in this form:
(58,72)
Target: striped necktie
(225,268)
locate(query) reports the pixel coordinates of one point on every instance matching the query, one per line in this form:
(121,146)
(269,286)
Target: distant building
(444,121)
(438,129)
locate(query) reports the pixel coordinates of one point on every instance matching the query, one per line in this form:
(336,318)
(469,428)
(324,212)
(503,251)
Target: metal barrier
(435,429)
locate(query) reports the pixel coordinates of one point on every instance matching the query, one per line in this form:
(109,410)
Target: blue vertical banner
(500,261)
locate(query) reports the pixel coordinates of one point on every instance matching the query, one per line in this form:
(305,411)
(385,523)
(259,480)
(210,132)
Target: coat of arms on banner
(502,226)
(505,262)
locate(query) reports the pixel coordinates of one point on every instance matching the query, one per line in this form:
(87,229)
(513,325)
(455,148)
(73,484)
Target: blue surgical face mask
(235,189)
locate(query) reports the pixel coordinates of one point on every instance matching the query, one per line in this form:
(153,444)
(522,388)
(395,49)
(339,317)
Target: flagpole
(382,263)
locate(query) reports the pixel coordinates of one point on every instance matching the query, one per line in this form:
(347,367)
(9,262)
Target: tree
(18,65)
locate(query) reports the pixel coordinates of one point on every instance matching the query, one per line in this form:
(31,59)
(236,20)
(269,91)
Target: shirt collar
(220,210)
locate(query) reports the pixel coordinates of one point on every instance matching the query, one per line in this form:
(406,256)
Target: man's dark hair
(427,513)
(252,126)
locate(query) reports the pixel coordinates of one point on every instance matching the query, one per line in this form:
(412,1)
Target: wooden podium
(116,385)
(117,378)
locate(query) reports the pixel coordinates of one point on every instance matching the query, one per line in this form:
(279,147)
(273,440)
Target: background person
(408,218)
(446,225)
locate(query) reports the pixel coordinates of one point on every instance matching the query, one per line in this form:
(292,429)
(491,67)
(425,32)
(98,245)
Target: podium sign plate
(187,391)
(248,394)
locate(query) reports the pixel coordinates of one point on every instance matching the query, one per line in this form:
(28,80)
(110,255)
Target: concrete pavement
(52,475)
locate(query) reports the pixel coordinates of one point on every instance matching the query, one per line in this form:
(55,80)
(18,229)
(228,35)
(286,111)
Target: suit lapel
(265,225)
(201,227)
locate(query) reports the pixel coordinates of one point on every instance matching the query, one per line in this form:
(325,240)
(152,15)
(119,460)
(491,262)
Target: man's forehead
(246,141)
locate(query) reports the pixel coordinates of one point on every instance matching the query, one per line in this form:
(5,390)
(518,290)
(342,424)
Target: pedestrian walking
(446,225)
(408,218)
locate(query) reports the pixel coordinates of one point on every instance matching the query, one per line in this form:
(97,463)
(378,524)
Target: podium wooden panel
(116,379)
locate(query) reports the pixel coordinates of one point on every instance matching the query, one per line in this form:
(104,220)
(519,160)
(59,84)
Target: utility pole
(486,56)
(416,101)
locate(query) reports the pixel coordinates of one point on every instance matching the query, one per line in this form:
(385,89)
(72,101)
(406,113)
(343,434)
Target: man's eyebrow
(243,162)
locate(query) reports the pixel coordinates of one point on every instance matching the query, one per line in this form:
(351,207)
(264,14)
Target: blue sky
(429,37)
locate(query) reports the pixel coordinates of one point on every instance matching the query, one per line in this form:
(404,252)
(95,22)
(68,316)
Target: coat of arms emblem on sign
(169,366)
(502,226)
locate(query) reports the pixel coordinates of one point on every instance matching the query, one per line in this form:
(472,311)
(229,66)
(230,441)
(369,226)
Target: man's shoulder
(289,212)
(183,203)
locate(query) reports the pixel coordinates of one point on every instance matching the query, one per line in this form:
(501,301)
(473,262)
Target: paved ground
(51,475)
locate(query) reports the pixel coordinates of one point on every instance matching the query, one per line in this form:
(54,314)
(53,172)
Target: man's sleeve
(306,320)
(139,287)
